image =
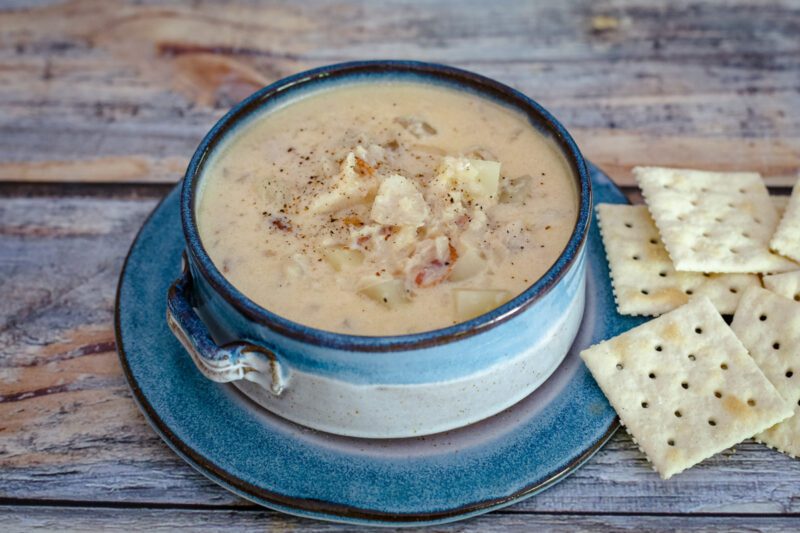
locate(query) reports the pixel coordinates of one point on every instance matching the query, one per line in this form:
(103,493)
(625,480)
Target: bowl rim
(454,77)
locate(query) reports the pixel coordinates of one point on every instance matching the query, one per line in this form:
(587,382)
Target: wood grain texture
(122,92)
(69,430)
(16,519)
(103,101)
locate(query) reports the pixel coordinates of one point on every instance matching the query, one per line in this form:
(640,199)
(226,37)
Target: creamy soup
(386,208)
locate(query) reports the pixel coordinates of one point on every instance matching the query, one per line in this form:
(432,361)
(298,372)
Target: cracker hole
(645,291)
(694,203)
(717,394)
(671,442)
(734,290)
(698,330)
(628,225)
(619,366)
(789,373)
(706,234)
(664,275)
(742,191)
(652,375)
(659,348)
(797,297)
(689,292)
(776,346)
(681,218)
(751,402)
(635,258)
(706,275)
(678,414)
(734,251)
(645,405)
(757,220)
(724,366)
(745,235)
(685,385)
(731,205)
(653,241)
(762,318)
(717,219)
(691,357)
(712,422)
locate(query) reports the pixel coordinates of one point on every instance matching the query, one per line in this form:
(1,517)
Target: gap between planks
(149,191)
(249,507)
(610,157)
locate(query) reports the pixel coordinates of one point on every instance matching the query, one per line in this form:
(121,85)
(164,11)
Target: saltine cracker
(685,387)
(713,221)
(642,275)
(769,326)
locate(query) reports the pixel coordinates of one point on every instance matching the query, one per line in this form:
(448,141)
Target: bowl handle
(229,362)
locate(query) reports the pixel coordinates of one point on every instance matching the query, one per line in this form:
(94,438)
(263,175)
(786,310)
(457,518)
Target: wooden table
(102,103)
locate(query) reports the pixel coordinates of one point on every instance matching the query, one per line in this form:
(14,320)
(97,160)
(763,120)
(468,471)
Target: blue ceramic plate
(283,466)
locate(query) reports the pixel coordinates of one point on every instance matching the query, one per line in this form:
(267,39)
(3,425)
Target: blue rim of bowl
(481,85)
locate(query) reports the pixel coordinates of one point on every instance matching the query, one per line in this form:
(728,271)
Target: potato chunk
(486,179)
(469,263)
(343,258)
(473,302)
(478,179)
(391,292)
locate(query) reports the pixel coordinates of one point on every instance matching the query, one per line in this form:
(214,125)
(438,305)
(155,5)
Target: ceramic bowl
(387,386)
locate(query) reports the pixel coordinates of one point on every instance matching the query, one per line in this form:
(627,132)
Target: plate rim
(314,508)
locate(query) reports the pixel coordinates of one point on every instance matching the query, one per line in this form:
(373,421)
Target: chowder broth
(386,208)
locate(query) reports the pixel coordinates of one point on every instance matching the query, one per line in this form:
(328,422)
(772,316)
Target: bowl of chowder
(383,249)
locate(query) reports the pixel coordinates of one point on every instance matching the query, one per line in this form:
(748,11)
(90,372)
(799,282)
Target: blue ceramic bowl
(388,386)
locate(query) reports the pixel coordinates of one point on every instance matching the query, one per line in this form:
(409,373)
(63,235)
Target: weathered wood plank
(618,152)
(69,430)
(122,91)
(125,169)
(94,519)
